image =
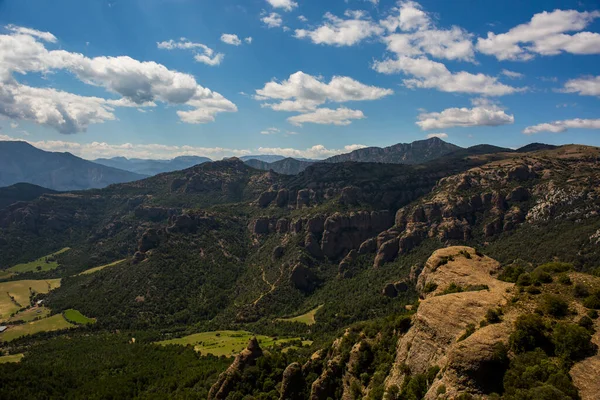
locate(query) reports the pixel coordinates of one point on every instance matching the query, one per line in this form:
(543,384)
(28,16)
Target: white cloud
(231,39)
(139,84)
(270,131)
(302,18)
(286,5)
(248,40)
(342,32)
(437,135)
(65,112)
(451,44)
(215,60)
(326,116)
(563,126)
(588,86)
(434,75)
(408,16)
(482,115)
(304,92)
(315,152)
(545,34)
(45,36)
(512,74)
(207,56)
(95,150)
(14,125)
(273,20)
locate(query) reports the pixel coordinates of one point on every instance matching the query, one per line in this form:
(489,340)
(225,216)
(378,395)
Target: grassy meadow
(307,319)
(96,269)
(225,343)
(75,317)
(45,263)
(16,294)
(13,358)
(53,323)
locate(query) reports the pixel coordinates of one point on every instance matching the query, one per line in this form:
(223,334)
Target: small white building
(3,328)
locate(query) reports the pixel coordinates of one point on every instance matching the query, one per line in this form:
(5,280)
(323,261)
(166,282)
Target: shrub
(586,322)
(511,273)
(555,306)
(441,389)
(430,287)
(470,330)
(571,342)
(452,288)
(492,316)
(564,279)
(593,314)
(541,276)
(524,279)
(580,290)
(592,301)
(533,290)
(533,375)
(530,332)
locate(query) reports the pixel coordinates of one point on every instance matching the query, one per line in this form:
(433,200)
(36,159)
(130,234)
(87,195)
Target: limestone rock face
(261,226)
(292,385)
(442,319)
(149,240)
(387,252)
(266,198)
(282,198)
(221,389)
(303,278)
(311,245)
(303,198)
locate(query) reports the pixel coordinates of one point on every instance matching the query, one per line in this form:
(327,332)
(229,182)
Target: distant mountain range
(22,162)
(152,167)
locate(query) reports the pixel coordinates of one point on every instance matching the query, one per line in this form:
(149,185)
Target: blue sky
(157,78)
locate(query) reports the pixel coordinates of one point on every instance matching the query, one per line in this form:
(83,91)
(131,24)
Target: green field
(31,314)
(308,318)
(13,358)
(75,317)
(42,262)
(53,323)
(96,269)
(225,343)
(20,292)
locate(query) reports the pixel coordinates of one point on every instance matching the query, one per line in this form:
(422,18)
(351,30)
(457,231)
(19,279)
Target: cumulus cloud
(434,75)
(248,40)
(342,32)
(407,16)
(485,114)
(203,53)
(437,135)
(14,125)
(65,112)
(587,86)
(326,116)
(139,84)
(545,34)
(272,20)
(231,39)
(286,5)
(304,92)
(563,126)
(418,35)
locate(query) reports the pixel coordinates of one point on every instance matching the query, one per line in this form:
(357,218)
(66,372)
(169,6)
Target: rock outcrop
(433,339)
(292,385)
(221,389)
